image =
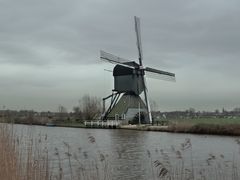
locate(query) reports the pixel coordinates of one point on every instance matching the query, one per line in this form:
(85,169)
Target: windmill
(129,81)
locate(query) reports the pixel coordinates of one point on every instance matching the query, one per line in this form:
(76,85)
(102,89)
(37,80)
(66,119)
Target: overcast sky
(49,50)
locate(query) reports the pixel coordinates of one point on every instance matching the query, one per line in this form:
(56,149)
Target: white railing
(108,123)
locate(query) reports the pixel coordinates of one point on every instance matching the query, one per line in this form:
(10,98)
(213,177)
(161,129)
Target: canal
(130,154)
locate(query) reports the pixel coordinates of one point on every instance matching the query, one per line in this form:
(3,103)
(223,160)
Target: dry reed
(18,163)
(178,164)
(27,158)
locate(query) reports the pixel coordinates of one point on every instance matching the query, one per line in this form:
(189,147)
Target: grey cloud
(59,40)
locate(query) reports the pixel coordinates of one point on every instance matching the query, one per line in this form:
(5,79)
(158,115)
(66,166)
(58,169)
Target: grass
(219,126)
(208,120)
(206,125)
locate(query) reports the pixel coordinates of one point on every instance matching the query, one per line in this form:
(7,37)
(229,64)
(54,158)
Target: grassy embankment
(220,126)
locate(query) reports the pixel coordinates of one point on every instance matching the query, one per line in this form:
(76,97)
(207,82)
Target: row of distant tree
(192,113)
(90,107)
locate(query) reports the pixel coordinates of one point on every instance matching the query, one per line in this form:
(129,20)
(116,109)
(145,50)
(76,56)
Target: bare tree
(77,113)
(62,112)
(62,109)
(90,107)
(76,109)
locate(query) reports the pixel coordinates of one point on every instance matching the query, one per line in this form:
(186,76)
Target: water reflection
(129,160)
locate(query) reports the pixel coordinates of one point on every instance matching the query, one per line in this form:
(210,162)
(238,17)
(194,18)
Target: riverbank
(206,126)
(145,128)
(201,128)
(211,129)
(215,129)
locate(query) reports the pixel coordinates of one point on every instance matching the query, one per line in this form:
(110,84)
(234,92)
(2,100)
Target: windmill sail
(159,71)
(140,57)
(111,58)
(138,34)
(159,74)
(114,59)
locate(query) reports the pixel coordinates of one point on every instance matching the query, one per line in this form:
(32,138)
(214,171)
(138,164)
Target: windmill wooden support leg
(114,98)
(104,108)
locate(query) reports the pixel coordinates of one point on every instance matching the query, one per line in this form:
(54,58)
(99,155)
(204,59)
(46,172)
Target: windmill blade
(138,34)
(159,76)
(111,58)
(140,56)
(159,71)
(117,60)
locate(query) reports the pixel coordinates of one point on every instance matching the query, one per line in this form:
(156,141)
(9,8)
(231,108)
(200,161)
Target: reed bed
(28,158)
(177,163)
(18,163)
